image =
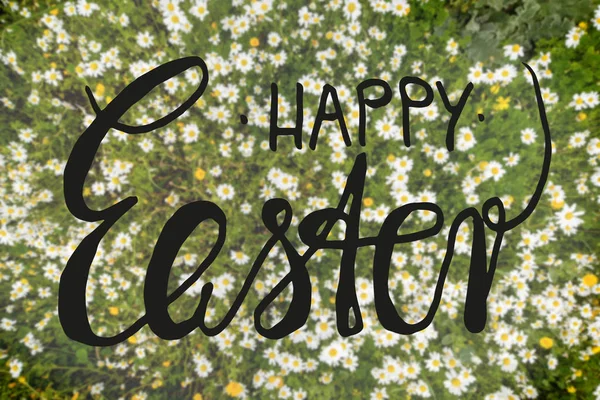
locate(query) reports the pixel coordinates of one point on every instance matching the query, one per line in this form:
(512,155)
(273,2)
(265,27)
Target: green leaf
(465,354)
(496,4)
(447,340)
(82,355)
(529,10)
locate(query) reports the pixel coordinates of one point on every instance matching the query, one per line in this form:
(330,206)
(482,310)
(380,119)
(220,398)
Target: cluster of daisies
(538,318)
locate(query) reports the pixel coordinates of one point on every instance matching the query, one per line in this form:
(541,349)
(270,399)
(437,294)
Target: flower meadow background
(542,338)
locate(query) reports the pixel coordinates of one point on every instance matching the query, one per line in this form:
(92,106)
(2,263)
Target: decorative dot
(481,117)
(243,119)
